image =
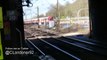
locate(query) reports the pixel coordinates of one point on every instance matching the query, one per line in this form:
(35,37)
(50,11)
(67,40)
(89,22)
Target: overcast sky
(43,5)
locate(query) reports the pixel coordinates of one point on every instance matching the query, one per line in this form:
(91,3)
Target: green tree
(69,9)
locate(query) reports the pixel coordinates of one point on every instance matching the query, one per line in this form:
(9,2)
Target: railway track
(87,40)
(50,46)
(67,49)
(46,48)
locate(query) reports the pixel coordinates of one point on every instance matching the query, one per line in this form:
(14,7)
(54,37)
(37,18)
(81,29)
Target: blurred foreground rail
(67,48)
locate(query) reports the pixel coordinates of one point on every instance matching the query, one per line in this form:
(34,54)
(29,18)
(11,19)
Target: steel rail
(86,48)
(60,50)
(90,43)
(73,44)
(37,48)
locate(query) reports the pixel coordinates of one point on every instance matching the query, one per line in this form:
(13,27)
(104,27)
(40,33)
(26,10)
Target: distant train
(47,21)
(38,20)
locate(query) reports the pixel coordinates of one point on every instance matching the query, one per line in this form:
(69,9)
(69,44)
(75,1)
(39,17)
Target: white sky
(43,5)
